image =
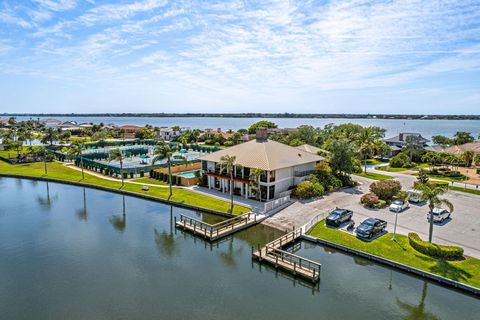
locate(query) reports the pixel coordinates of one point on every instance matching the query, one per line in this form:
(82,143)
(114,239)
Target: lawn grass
(150,181)
(460,189)
(374,176)
(438,177)
(466,271)
(57,170)
(13,153)
(391,169)
(375,161)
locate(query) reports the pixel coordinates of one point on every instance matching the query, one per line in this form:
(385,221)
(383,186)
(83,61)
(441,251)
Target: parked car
(370,227)
(414,196)
(339,216)
(439,215)
(398,206)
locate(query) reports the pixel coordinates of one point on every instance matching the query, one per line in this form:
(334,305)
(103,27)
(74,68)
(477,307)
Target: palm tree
(45,155)
(368,139)
(430,193)
(228,163)
(76,151)
(116,155)
(165,151)
(468,156)
(50,135)
(255,175)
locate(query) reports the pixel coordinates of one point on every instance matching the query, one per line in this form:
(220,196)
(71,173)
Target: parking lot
(463,229)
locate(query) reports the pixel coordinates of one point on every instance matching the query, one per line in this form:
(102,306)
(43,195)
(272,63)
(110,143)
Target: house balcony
(223,175)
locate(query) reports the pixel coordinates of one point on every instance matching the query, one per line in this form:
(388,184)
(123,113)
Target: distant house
(283,166)
(399,142)
(130,131)
(458,150)
(4,123)
(62,125)
(270,131)
(168,134)
(209,134)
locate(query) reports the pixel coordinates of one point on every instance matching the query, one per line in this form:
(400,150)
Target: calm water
(427,128)
(70,253)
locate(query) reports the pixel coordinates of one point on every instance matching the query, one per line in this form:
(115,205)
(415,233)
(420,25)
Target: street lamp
(395,227)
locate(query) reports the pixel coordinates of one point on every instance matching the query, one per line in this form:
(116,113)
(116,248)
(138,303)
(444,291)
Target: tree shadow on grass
(446,269)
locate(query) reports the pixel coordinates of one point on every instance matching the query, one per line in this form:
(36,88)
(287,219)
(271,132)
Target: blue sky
(240,56)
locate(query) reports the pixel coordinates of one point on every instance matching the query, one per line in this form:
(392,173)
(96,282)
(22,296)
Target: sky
(92,56)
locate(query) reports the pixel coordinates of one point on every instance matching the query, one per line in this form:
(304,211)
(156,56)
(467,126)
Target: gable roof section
(265,155)
(458,150)
(311,149)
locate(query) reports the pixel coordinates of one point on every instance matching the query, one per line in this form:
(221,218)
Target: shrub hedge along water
(434,250)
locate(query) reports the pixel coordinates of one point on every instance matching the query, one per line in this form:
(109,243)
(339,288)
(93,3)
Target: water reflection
(417,312)
(165,241)
(119,222)
(82,213)
(229,257)
(47,201)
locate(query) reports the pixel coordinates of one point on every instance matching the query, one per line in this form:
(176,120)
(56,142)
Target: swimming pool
(186,174)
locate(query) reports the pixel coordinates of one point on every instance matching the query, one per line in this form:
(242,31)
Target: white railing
(268,206)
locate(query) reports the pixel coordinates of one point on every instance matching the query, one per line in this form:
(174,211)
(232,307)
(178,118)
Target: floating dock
(274,255)
(219,230)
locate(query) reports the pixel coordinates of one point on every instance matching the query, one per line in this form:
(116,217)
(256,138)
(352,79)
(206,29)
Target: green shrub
(308,189)
(434,250)
(381,204)
(386,189)
(229,143)
(142,174)
(401,195)
(369,200)
(160,176)
(401,160)
(125,175)
(131,175)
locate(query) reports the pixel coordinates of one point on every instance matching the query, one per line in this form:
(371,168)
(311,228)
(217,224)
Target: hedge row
(154,174)
(434,250)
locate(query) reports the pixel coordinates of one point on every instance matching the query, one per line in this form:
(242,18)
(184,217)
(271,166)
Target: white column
(246,191)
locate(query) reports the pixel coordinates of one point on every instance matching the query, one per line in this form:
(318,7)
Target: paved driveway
(462,230)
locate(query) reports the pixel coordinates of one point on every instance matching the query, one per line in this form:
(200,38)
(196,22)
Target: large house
(399,142)
(283,167)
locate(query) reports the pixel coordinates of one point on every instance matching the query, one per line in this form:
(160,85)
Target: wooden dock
(219,230)
(273,254)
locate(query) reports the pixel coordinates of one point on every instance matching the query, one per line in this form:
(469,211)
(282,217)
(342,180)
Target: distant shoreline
(252,115)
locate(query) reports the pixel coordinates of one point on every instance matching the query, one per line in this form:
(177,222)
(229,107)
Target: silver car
(398,206)
(439,215)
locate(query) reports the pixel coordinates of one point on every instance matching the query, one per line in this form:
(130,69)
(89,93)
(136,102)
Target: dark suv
(338,216)
(370,227)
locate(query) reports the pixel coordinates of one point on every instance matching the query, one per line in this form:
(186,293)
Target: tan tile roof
(265,155)
(458,150)
(311,149)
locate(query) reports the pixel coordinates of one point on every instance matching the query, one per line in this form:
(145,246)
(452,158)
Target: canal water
(74,253)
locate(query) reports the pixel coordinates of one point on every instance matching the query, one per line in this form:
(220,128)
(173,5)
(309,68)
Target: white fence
(268,206)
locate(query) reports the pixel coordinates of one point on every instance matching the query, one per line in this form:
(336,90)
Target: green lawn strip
(423,166)
(374,176)
(460,189)
(444,178)
(375,161)
(466,271)
(150,181)
(391,169)
(58,171)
